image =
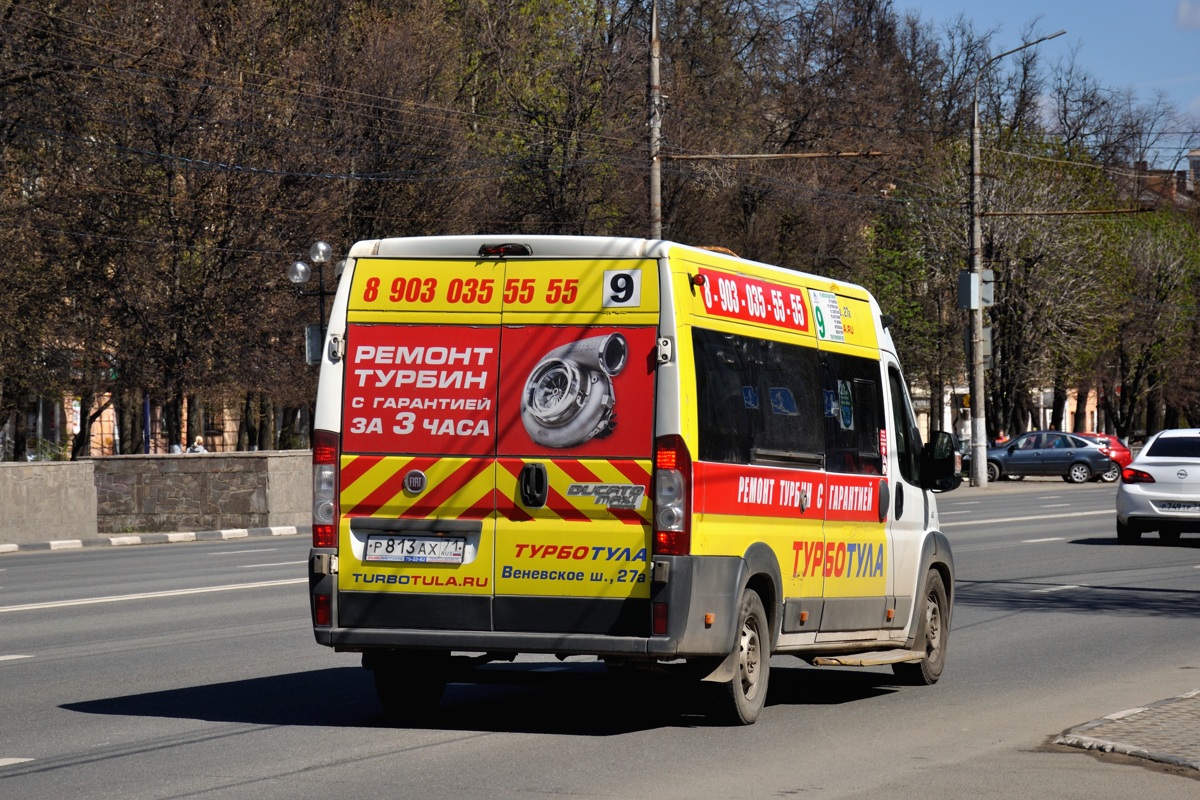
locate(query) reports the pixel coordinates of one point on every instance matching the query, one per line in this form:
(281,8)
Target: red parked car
(1115,449)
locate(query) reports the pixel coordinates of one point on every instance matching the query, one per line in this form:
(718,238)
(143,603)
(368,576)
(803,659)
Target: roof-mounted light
(504,250)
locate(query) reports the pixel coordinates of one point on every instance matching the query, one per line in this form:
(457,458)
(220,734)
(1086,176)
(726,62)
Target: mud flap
(725,670)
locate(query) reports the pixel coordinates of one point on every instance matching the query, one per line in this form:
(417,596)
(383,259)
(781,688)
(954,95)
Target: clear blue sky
(1148,45)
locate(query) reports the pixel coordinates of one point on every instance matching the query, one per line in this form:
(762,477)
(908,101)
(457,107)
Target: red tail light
(660,619)
(325,502)
(322,610)
(672,497)
(1131,475)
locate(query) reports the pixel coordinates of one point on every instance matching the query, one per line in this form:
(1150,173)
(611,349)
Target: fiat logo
(415,482)
(1182,474)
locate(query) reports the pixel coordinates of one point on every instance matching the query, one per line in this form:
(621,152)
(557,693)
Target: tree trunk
(1059,411)
(1153,405)
(266,429)
(1079,421)
(195,420)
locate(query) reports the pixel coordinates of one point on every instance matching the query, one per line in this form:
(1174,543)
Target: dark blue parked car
(1072,457)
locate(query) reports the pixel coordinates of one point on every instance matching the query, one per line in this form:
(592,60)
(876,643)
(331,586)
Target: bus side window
(791,390)
(756,396)
(853,414)
(727,408)
(908,439)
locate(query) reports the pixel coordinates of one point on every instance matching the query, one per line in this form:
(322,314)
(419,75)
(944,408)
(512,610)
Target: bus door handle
(535,485)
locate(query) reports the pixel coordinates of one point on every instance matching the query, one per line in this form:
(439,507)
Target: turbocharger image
(568,397)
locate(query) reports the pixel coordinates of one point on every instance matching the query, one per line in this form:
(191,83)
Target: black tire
(1078,473)
(1169,534)
(993,472)
(410,684)
(1127,533)
(741,700)
(1111,474)
(933,633)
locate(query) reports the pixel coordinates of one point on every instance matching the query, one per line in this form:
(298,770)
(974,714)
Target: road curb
(1164,732)
(131,539)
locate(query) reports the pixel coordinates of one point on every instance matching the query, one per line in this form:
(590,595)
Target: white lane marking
(276,564)
(13,658)
(1056,505)
(948,513)
(1049,589)
(87,601)
(239,552)
(1031,519)
(8,762)
(1039,541)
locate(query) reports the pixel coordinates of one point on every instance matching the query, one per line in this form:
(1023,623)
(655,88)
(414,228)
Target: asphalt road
(189,670)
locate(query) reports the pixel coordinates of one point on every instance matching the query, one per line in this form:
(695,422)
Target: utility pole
(974,248)
(656,104)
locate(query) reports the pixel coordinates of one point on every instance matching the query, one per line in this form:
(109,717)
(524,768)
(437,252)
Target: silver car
(1160,489)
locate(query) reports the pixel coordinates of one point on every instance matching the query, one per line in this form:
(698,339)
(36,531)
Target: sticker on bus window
(845,406)
(827,314)
(783,402)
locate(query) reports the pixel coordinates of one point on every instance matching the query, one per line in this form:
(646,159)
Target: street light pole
(300,273)
(975,248)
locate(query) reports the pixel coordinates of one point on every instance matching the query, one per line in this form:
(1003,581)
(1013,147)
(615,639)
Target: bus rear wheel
(742,698)
(409,683)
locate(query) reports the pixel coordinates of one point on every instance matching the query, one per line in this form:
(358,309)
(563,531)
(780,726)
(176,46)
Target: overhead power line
(1080,213)
(765,156)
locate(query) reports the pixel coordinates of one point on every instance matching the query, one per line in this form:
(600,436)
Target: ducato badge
(415,482)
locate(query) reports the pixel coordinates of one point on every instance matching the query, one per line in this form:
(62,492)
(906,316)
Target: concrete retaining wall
(46,500)
(153,494)
(146,494)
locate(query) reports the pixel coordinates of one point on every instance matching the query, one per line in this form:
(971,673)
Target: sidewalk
(122,539)
(1167,732)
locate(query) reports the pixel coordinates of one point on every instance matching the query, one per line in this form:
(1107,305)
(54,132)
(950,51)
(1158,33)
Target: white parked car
(1160,489)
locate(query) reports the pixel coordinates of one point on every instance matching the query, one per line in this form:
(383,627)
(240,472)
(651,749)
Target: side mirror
(941,464)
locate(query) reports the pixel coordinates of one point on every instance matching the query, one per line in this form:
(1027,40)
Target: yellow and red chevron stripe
(562,474)
(474,488)
(457,488)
